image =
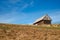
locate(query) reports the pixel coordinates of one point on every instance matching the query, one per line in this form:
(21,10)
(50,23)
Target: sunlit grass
(22,27)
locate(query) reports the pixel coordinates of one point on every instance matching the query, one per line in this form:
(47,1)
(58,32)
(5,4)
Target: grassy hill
(29,32)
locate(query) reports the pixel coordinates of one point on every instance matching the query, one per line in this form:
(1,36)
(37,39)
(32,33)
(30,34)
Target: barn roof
(45,17)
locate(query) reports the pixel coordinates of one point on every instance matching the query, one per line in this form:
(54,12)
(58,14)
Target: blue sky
(27,11)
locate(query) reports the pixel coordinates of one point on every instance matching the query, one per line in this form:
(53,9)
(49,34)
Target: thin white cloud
(55,16)
(25,6)
(11,17)
(17,6)
(31,3)
(7,20)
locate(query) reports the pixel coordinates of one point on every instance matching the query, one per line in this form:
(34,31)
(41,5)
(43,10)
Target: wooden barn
(43,20)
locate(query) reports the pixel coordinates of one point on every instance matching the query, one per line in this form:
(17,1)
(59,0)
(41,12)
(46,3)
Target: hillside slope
(29,32)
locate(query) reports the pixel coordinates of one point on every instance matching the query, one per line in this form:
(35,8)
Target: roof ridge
(45,17)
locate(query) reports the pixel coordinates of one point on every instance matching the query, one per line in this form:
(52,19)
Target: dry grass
(29,32)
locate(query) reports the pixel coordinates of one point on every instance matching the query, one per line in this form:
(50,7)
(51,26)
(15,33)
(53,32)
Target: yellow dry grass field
(29,32)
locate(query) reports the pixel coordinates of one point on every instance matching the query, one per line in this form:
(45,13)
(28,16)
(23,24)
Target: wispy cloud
(7,18)
(11,17)
(26,5)
(10,20)
(12,11)
(16,5)
(55,16)
(32,3)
